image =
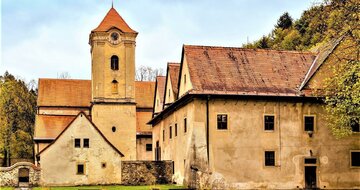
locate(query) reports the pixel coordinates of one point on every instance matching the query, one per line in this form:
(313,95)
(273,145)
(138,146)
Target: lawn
(118,187)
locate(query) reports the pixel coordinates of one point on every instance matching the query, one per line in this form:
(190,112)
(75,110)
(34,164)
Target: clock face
(114,36)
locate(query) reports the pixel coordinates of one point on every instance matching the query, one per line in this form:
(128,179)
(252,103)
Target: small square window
(148,147)
(269,158)
(355,158)
(309,123)
(80,169)
(175,129)
(77,143)
(354,124)
(222,121)
(185,125)
(269,122)
(170,132)
(86,143)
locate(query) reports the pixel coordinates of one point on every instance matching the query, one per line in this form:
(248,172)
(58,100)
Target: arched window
(114,88)
(114,62)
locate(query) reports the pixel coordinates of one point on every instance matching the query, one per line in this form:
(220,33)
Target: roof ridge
(247,49)
(63,79)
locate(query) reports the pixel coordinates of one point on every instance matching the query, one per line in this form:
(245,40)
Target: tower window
(113,129)
(114,62)
(114,88)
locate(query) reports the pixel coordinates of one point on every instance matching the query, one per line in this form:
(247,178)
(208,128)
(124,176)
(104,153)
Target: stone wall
(9,175)
(146,172)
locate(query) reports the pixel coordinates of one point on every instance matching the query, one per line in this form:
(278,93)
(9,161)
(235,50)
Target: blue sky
(42,38)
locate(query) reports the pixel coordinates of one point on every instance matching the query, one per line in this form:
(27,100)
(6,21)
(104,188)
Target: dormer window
(114,87)
(114,62)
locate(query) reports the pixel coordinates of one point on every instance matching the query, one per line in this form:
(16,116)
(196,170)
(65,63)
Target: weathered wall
(141,153)
(9,175)
(122,117)
(184,87)
(146,172)
(59,161)
(240,149)
(178,148)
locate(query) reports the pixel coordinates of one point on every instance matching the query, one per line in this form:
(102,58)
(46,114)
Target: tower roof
(113,19)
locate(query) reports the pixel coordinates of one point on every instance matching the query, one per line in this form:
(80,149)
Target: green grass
(118,187)
(6,188)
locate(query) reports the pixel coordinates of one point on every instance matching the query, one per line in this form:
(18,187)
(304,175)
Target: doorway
(157,152)
(310,177)
(23,177)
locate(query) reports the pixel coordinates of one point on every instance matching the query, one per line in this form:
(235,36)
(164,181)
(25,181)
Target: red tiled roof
(64,92)
(50,126)
(113,19)
(227,70)
(144,94)
(174,69)
(160,82)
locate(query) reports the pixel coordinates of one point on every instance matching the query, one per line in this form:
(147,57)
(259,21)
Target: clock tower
(113,82)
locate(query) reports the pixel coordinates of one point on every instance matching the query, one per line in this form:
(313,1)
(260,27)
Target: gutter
(207,129)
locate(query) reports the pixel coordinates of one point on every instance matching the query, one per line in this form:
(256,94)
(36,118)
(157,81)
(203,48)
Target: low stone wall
(146,172)
(10,175)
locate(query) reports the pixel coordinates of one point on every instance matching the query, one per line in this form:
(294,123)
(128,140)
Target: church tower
(113,82)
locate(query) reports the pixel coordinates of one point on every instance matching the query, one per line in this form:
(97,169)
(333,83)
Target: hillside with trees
(320,25)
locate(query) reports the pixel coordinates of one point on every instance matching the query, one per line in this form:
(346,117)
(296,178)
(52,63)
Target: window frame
(88,143)
(264,154)
(314,124)
(227,122)
(350,159)
(75,140)
(114,67)
(175,129)
(146,147)
(185,125)
(264,124)
(77,168)
(170,132)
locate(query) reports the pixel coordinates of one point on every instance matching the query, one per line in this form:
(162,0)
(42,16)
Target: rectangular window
(269,158)
(309,123)
(185,125)
(80,169)
(184,78)
(175,129)
(77,143)
(86,143)
(354,124)
(310,161)
(269,122)
(222,121)
(170,132)
(164,135)
(355,158)
(148,147)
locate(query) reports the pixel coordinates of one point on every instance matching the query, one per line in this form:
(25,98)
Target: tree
(64,75)
(285,21)
(144,73)
(17,118)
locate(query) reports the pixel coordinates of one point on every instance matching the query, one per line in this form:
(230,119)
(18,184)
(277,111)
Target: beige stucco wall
(158,104)
(170,97)
(59,162)
(184,87)
(122,116)
(141,153)
(240,149)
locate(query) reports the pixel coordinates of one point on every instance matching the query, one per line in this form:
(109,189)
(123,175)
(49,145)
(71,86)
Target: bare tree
(64,75)
(146,73)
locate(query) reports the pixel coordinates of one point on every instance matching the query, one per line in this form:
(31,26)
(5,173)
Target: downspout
(207,129)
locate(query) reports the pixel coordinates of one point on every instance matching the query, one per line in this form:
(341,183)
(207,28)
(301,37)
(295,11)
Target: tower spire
(112,3)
